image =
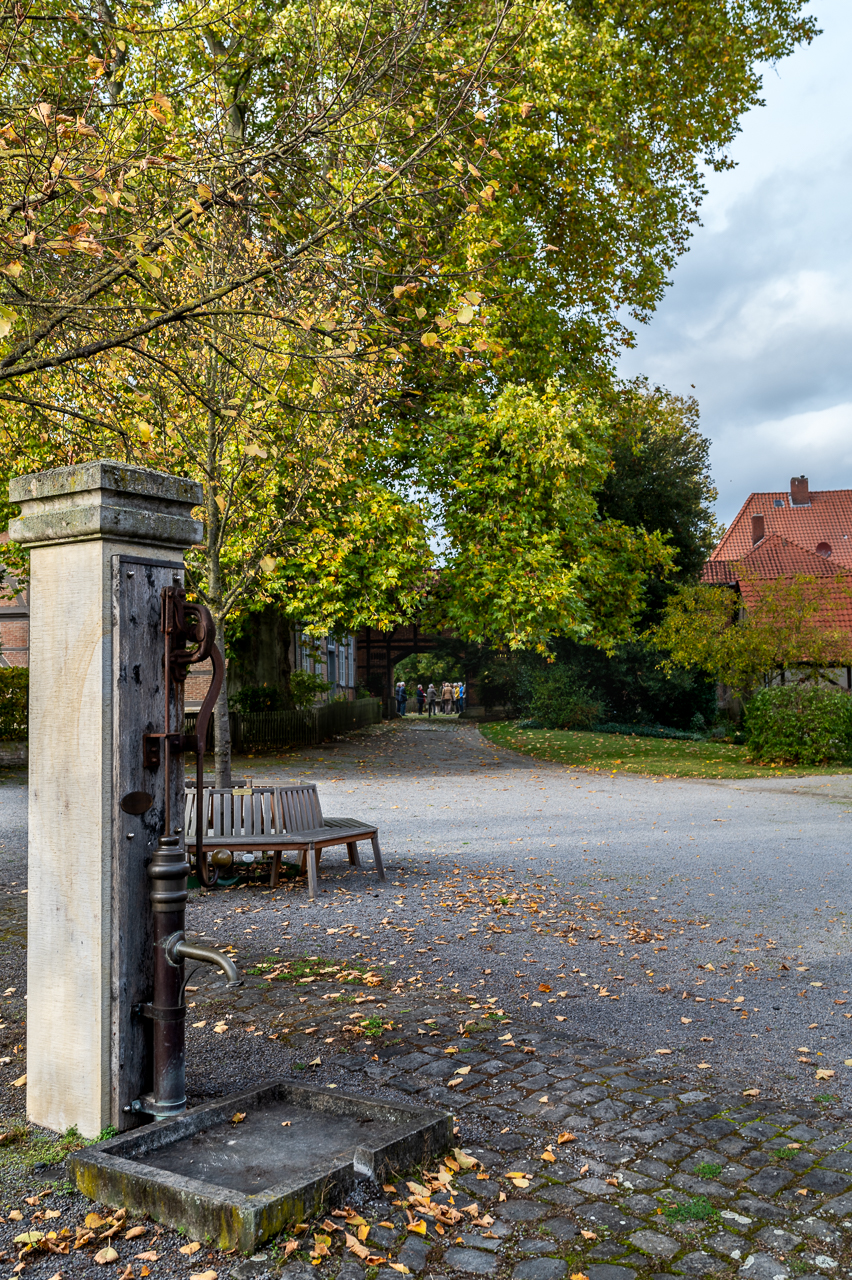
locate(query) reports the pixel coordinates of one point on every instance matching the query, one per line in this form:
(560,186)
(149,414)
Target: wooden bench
(276,820)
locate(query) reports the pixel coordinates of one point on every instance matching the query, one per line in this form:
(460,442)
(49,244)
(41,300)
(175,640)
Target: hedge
(799,724)
(14,702)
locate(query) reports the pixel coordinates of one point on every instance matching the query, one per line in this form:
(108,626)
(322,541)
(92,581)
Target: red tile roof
(826,520)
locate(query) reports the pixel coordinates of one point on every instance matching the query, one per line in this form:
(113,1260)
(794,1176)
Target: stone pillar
(91,528)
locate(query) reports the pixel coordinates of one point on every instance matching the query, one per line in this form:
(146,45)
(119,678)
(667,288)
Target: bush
(261,697)
(561,701)
(14,702)
(648,731)
(799,724)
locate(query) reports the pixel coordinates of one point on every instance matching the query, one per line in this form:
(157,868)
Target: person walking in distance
(401,697)
(456,706)
(446,697)
(432,700)
(421,699)
(462,691)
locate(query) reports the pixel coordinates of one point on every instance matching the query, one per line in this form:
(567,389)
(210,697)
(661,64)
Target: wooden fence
(260,730)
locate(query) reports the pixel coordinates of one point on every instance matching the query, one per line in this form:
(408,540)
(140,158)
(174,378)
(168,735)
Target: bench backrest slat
(265,811)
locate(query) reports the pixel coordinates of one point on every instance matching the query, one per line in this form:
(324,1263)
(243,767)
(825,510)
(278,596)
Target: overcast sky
(759,314)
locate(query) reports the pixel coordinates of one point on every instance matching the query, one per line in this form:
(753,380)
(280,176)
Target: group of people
(450,700)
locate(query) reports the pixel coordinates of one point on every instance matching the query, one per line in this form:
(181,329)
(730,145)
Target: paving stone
(726,1242)
(803,1133)
(595,1093)
(540,1269)
(608,1249)
(759,1129)
(350,1271)
(521,1211)
(760,1266)
(694,1095)
(647,1133)
(841,1160)
(475,1240)
(475,1261)
(769,1181)
(639,1181)
(716,1128)
(653,1168)
(842,1206)
(594,1187)
(643,1205)
(608,1110)
(510,1142)
(562,1228)
(760,1209)
(826,1180)
(817,1229)
(732,1174)
(384,1237)
(776,1238)
(413,1252)
(654,1243)
(701,1186)
(610,1216)
(734,1146)
(562,1196)
(412,1061)
(532,1248)
(672,1152)
(699,1264)
(607,1271)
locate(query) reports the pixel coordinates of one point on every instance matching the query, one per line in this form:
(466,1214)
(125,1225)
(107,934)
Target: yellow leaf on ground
(15,1215)
(16,1084)
(549,1156)
(149,1256)
(751,1093)
(204,1275)
(134,1232)
(53,1213)
(94,1220)
(364,1231)
(401,1267)
(823,1074)
(588,1235)
(566,1137)
(106,1255)
(419,1226)
(465,1161)
(662,1050)
(290,1247)
(238,1117)
(191,1248)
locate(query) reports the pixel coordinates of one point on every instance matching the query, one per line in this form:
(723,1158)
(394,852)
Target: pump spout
(178,949)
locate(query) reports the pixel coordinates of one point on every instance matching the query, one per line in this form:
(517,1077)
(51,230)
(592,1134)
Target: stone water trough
(236,1182)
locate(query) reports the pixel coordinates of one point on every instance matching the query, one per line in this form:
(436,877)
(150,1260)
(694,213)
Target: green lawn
(661,757)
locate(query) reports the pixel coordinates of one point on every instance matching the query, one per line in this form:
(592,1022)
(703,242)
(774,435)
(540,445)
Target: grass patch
(307,969)
(698,1209)
(705,1170)
(23,1147)
(660,757)
(784,1153)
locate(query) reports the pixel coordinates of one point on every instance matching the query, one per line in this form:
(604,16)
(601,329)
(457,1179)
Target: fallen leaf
(588,1235)
(53,1213)
(317,1062)
(150,1256)
(16,1084)
(191,1248)
(238,1117)
(751,1093)
(703,1066)
(419,1226)
(685,1020)
(127,1273)
(401,1267)
(290,1247)
(543,986)
(566,1137)
(389,1188)
(613,1182)
(285,1124)
(16,1215)
(134,1232)
(579,1275)
(662,1050)
(29,1237)
(585,1169)
(106,1255)
(220,1027)
(94,1220)
(204,1275)
(549,1156)
(823,1074)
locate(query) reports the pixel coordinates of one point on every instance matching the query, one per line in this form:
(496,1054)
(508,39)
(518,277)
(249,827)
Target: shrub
(561,701)
(14,701)
(261,697)
(799,724)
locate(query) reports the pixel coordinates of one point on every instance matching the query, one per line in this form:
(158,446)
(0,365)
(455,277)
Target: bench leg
(276,869)
(377,854)
(352,850)
(311,857)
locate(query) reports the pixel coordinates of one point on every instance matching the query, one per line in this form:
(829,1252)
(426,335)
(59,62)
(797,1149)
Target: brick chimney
(758,529)
(799,493)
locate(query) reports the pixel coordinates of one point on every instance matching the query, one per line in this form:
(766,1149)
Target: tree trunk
(222,725)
